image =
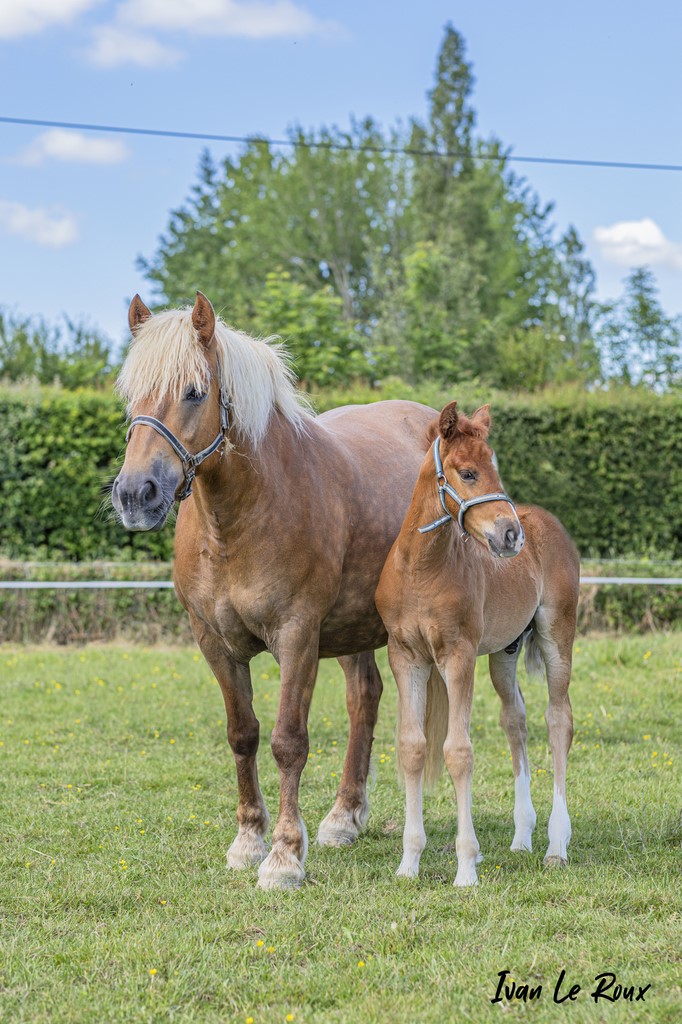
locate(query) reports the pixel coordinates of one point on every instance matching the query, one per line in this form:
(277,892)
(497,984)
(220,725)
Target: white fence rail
(665,581)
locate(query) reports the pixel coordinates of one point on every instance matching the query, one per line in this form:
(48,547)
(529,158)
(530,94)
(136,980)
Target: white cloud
(26,17)
(254,20)
(73,147)
(113,46)
(634,243)
(52,228)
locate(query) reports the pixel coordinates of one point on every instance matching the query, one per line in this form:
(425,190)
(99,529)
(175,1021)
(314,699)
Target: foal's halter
(445,488)
(189,462)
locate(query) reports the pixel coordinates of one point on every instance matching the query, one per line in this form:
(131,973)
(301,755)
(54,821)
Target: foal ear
(482,421)
(137,314)
(203,319)
(447,424)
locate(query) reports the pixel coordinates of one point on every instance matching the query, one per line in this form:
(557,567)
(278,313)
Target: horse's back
(393,425)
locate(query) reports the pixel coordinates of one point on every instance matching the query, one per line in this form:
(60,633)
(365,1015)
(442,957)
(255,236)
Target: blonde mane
(166,358)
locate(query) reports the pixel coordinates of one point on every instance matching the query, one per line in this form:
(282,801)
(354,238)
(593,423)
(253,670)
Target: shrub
(608,464)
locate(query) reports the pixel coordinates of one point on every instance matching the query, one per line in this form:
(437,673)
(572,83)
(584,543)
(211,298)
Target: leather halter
(190,462)
(445,488)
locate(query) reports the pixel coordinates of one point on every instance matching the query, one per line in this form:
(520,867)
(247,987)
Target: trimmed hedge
(608,464)
(61,451)
(80,616)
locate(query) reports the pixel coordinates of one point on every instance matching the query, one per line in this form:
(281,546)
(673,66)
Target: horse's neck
(245,476)
(439,547)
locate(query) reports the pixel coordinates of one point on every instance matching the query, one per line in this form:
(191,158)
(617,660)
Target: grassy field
(117,808)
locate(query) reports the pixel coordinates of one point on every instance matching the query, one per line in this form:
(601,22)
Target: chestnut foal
(470,574)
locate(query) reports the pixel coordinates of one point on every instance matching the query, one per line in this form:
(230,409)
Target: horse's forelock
(166,358)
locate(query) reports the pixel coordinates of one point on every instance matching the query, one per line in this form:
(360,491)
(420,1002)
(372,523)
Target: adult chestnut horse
(278,547)
(460,581)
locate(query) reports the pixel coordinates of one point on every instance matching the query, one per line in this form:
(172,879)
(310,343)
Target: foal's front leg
(459,755)
(298,651)
(234,678)
(412,679)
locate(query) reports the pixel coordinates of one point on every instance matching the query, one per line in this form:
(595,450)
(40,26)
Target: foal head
(469,467)
(177,388)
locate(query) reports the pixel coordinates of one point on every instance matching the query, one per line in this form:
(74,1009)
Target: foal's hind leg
(351,808)
(555,633)
(513,721)
(234,678)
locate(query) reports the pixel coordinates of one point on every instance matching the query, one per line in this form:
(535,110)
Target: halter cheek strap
(445,488)
(190,462)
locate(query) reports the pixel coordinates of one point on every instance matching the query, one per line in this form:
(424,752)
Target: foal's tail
(535,664)
(435,729)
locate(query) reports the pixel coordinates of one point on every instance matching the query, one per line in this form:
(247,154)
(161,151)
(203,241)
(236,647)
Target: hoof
(408,869)
(555,861)
(247,850)
(466,877)
(522,843)
(342,827)
(281,869)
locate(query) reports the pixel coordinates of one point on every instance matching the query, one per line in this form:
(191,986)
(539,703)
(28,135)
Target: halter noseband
(445,488)
(189,462)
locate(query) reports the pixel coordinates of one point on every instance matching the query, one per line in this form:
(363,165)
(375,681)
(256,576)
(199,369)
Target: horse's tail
(535,664)
(435,729)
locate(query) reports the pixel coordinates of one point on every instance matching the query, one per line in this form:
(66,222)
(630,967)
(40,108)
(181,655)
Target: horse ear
(203,319)
(137,314)
(447,424)
(481,420)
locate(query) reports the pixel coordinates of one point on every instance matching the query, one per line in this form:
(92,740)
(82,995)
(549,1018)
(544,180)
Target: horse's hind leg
(555,630)
(351,808)
(513,721)
(243,729)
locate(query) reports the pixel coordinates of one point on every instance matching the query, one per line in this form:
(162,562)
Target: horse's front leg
(234,678)
(298,653)
(459,755)
(349,814)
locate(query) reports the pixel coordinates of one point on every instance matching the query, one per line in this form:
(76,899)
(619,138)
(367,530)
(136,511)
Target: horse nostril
(149,493)
(510,537)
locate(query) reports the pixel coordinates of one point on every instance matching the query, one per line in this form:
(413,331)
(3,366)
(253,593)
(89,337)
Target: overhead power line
(329,144)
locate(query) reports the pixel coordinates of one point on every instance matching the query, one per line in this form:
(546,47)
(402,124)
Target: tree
(324,347)
(75,357)
(641,345)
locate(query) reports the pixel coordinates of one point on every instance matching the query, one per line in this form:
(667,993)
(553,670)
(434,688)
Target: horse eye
(192,395)
(467,475)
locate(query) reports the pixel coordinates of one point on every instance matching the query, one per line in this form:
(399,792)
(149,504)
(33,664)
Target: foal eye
(192,395)
(467,475)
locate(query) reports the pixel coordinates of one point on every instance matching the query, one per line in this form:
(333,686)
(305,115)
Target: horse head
(469,484)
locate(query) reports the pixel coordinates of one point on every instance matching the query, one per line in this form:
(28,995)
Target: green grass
(117,808)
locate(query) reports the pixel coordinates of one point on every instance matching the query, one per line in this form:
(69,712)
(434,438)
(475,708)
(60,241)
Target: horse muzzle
(141,501)
(506,538)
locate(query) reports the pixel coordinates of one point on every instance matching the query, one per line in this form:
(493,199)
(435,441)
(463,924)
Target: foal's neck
(439,547)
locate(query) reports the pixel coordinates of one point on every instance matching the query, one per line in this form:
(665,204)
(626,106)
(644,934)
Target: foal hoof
(554,861)
(281,869)
(522,844)
(247,850)
(466,877)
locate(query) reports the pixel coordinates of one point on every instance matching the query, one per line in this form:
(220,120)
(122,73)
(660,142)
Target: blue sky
(599,81)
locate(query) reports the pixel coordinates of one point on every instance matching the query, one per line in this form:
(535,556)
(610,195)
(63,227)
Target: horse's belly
(506,621)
